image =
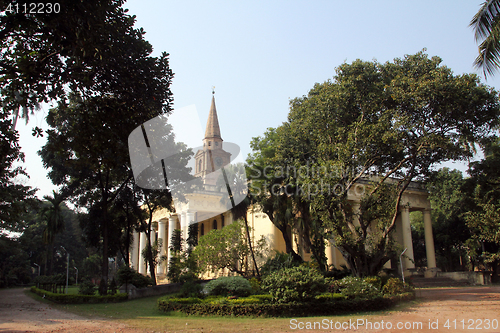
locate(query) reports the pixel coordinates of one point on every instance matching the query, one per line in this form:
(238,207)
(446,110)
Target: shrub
(250,307)
(229,286)
(191,289)
(256,289)
(125,275)
(353,287)
(141,281)
(374,281)
(78,299)
(280,261)
(394,286)
(86,288)
(300,283)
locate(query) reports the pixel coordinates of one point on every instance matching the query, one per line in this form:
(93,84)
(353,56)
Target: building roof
(212,130)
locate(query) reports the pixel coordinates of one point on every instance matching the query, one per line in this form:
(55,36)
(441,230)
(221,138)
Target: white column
(172,220)
(134,251)
(429,245)
(142,246)
(160,269)
(184,228)
(407,241)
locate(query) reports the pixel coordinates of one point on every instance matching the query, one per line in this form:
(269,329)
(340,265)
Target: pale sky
(260,54)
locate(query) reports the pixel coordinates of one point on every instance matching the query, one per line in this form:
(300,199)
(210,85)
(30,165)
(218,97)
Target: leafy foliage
(278,262)
(229,286)
(227,248)
(354,287)
(483,219)
(369,132)
(87,288)
(300,284)
(395,286)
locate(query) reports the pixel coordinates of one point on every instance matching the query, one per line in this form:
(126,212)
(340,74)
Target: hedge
(322,307)
(78,299)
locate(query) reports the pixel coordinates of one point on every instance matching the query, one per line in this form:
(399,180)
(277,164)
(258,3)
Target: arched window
(202,229)
(199,165)
(214,226)
(222,221)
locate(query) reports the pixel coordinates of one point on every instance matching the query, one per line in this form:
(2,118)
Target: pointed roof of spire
(212,130)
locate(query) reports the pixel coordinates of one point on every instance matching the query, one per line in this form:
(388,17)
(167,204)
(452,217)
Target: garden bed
(261,305)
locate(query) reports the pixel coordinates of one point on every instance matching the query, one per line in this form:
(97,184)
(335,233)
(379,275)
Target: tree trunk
(149,255)
(250,245)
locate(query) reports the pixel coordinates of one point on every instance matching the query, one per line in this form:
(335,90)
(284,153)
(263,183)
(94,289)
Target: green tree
(16,197)
(227,248)
(267,184)
(449,201)
(483,219)
(234,179)
(371,131)
(486,25)
(87,147)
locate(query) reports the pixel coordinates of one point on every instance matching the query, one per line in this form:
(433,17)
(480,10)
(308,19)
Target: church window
(209,143)
(202,229)
(199,165)
(216,143)
(214,227)
(222,221)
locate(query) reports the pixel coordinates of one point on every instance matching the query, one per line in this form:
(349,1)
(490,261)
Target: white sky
(260,54)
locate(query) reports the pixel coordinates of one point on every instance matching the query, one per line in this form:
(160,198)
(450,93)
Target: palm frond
(485,19)
(486,25)
(489,53)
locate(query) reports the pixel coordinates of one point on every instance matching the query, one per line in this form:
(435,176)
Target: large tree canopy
(116,87)
(373,129)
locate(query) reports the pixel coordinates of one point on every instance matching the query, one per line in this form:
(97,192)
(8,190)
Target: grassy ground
(144,314)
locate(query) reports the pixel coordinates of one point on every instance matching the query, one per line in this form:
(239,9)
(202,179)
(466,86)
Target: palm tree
(486,25)
(52,214)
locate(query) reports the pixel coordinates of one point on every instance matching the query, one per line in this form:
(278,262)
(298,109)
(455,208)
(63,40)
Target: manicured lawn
(144,314)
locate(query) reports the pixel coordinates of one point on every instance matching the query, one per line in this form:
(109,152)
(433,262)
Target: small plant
(353,287)
(300,283)
(256,289)
(87,288)
(229,286)
(395,286)
(374,281)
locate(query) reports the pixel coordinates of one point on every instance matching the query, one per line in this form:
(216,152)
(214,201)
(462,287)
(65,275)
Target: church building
(206,208)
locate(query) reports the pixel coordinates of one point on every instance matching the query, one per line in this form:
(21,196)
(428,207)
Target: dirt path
(20,313)
(440,310)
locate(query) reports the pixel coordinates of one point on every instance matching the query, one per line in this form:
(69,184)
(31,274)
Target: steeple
(213,131)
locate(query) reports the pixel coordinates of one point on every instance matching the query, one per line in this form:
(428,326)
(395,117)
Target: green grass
(143,313)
